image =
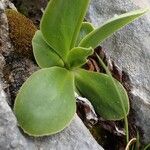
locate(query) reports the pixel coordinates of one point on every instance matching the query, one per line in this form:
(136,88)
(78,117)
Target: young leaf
(45,56)
(94,38)
(61,23)
(99,89)
(45,103)
(78,56)
(86,28)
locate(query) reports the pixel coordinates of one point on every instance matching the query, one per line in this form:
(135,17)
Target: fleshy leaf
(86,28)
(100,90)
(97,36)
(61,23)
(78,56)
(45,56)
(45,103)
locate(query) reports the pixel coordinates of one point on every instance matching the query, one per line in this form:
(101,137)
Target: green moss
(21,31)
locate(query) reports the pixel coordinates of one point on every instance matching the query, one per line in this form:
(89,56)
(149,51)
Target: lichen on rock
(21,30)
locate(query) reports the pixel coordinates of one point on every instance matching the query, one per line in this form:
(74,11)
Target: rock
(130,50)
(75,137)
(15,69)
(10,136)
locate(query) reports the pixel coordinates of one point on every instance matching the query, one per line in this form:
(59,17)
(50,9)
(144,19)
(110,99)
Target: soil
(32,9)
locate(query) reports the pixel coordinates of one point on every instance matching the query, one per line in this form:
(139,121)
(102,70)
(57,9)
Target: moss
(21,31)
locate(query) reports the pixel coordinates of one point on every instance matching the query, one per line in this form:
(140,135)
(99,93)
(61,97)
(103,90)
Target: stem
(116,88)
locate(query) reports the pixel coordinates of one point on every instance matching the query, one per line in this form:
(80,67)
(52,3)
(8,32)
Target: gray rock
(10,136)
(74,137)
(130,49)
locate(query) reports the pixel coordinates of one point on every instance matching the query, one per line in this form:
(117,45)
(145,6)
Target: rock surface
(130,50)
(74,137)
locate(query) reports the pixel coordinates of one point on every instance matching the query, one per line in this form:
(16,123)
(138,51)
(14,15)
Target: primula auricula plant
(46,102)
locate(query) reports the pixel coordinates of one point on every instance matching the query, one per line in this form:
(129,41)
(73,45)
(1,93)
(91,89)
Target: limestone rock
(16,69)
(130,49)
(75,137)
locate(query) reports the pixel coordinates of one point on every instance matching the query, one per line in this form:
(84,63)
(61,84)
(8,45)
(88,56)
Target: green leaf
(45,56)
(97,36)
(86,28)
(61,23)
(119,96)
(78,56)
(100,90)
(45,103)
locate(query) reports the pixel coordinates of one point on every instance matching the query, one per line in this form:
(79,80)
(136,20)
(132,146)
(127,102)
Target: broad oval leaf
(45,103)
(100,90)
(97,36)
(86,28)
(44,55)
(61,23)
(78,56)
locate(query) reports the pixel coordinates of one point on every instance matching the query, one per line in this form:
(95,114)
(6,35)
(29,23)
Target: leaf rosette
(45,103)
